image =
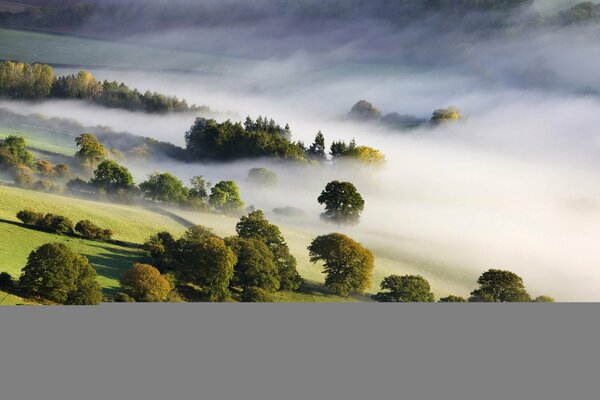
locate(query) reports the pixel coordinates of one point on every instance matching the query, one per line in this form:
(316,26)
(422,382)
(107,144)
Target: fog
(513,186)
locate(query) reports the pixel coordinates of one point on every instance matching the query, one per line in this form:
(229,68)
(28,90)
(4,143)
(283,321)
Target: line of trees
(62,225)
(20,80)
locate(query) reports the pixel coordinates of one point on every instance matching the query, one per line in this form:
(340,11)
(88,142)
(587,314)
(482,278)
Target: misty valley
(283,151)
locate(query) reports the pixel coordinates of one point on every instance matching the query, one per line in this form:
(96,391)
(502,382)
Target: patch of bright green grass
(7,299)
(130,223)
(60,144)
(110,261)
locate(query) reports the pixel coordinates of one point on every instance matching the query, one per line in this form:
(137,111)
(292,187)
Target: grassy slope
(133,224)
(63,145)
(71,50)
(130,223)
(109,260)
(7,299)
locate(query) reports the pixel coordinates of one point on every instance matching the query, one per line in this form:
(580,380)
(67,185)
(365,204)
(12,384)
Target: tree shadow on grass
(111,262)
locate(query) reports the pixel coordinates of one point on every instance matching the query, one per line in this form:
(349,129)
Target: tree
(91,151)
(24,176)
(347,264)
(54,272)
(200,187)
(343,203)
(15,146)
(163,248)
(165,188)
(45,167)
(209,264)
(445,115)
(225,197)
(255,266)
(112,177)
(30,217)
(364,111)
(256,226)
(317,149)
(262,177)
(144,283)
(500,286)
(62,171)
(452,299)
(404,289)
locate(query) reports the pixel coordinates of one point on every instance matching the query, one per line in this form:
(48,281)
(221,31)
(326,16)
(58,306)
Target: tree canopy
(208,139)
(91,151)
(404,289)
(255,266)
(225,197)
(348,266)
(164,187)
(500,286)
(112,177)
(54,272)
(343,203)
(256,226)
(144,283)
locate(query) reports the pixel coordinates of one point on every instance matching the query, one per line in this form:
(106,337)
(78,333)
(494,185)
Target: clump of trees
(343,203)
(495,286)
(249,266)
(48,16)
(62,225)
(38,81)
(55,273)
(208,139)
(584,12)
(52,223)
(445,115)
(348,266)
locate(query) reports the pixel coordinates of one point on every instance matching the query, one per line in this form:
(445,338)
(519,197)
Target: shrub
(6,281)
(88,230)
(257,295)
(262,177)
(57,224)
(30,217)
(46,185)
(45,167)
(145,283)
(24,176)
(288,211)
(123,298)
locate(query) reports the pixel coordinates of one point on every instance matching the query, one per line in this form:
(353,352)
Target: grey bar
(301,351)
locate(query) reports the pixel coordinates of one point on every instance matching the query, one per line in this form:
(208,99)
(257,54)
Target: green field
(59,144)
(7,299)
(132,224)
(65,50)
